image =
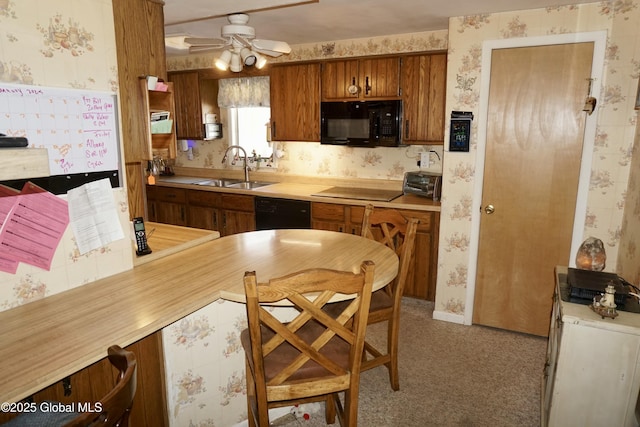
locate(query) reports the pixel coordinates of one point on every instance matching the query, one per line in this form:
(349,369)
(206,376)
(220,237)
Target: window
(248,128)
(247,101)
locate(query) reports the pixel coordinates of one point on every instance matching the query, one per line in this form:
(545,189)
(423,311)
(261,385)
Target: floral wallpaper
(68,45)
(629,252)
(609,190)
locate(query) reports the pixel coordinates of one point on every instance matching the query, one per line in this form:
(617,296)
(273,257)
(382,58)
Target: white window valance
(244,92)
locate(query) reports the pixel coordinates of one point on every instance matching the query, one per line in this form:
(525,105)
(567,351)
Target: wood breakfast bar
(47,340)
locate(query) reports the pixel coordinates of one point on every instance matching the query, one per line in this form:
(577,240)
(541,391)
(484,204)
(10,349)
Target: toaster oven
(426,184)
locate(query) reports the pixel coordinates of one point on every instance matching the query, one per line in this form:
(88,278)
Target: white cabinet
(592,375)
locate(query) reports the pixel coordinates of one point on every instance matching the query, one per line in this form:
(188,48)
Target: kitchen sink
(248,185)
(219,182)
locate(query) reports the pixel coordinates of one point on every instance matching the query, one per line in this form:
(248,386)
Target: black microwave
(361,123)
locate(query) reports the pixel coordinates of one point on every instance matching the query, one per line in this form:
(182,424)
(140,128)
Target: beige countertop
(49,339)
(166,239)
(305,191)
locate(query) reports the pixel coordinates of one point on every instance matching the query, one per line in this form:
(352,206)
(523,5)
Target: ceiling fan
(241,46)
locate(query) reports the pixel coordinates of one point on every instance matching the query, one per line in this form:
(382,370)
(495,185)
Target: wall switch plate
(425,160)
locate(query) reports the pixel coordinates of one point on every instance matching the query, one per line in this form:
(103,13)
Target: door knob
(489,209)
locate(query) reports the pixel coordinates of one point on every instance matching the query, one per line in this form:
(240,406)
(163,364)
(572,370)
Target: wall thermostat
(460,130)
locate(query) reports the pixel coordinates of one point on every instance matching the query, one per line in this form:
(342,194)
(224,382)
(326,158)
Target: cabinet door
(170,205)
(203,209)
(295,102)
(380,77)
(234,222)
(203,217)
(328,216)
(188,107)
(238,214)
(337,76)
(423,92)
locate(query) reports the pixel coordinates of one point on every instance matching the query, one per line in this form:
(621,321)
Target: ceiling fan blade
(200,49)
(271,45)
(214,42)
(268,52)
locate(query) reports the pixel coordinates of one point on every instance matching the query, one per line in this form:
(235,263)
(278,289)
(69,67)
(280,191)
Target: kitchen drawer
(327,211)
(237,202)
(207,199)
(167,194)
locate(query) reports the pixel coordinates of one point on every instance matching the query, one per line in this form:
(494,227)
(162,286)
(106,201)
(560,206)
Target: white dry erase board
(78,127)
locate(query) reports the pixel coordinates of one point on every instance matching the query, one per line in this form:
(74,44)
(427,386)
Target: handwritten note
(78,127)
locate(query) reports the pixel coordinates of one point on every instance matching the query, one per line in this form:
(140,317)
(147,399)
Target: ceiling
(297,22)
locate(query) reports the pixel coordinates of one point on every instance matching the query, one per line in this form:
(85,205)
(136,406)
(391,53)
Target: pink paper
(33,227)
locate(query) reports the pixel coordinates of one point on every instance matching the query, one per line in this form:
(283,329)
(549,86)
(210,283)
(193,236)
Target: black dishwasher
(272,213)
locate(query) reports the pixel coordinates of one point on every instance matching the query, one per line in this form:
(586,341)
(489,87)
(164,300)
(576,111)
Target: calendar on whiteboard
(79,128)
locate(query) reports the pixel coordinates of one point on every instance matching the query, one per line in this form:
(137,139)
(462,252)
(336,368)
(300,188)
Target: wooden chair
(116,405)
(315,356)
(390,227)
(112,410)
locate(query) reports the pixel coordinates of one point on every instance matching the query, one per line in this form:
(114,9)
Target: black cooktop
(360,194)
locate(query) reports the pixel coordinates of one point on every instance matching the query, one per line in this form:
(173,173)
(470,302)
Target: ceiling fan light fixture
(261,61)
(236,63)
(248,57)
(222,62)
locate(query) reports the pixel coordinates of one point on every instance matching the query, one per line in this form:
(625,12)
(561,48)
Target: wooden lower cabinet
(224,212)
(95,381)
(167,205)
(423,274)
(332,217)
(203,211)
(238,214)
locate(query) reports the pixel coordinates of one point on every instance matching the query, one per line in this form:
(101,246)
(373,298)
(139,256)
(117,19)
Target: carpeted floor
(450,375)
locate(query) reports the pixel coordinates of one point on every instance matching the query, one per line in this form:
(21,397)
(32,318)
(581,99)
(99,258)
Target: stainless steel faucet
(245,165)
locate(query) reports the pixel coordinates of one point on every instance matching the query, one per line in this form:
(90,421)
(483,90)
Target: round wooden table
(275,253)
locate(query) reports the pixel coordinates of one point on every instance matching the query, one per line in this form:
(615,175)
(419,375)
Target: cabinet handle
(66,386)
(367,88)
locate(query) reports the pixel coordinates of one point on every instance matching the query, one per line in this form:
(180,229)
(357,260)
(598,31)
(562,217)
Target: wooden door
(535,128)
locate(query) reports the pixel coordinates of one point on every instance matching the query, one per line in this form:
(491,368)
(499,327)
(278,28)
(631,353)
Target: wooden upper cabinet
(337,76)
(194,97)
(188,110)
(373,78)
(295,102)
(423,81)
